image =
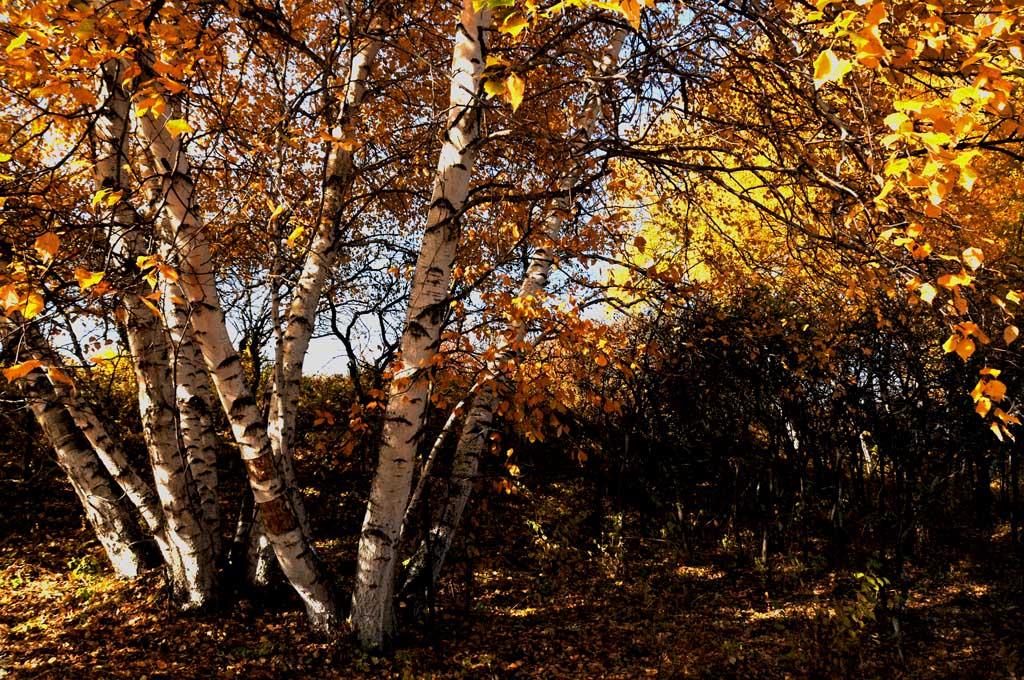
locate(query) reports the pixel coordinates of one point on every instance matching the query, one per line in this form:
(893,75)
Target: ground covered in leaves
(522,598)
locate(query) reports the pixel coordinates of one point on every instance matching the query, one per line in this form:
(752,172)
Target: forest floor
(527,603)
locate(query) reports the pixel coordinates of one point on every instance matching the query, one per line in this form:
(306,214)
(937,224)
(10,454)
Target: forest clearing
(489,338)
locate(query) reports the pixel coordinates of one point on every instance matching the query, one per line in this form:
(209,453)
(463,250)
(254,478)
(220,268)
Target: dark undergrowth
(523,596)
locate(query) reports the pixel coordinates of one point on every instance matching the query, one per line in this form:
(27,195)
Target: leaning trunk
(372,608)
(183,230)
(477,428)
(102,500)
(192,567)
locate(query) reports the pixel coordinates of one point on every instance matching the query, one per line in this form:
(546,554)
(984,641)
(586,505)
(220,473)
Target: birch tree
(372,614)
(476,430)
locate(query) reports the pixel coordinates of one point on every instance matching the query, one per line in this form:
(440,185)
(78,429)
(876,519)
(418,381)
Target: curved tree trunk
(293,344)
(138,492)
(372,614)
(477,428)
(102,500)
(183,229)
(193,571)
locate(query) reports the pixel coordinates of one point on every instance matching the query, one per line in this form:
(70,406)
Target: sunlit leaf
(47,246)
(515,86)
(18,371)
(974,257)
(927,292)
(829,68)
(178,127)
(19,41)
(87,279)
(965,348)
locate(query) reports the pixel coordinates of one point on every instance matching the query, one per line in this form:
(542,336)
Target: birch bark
(479,421)
(372,613)
(339,175)
(192,566)
(102,500)
(183,230)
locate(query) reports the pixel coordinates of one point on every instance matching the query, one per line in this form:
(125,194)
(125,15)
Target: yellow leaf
(4,157)
(494,87)
(145,262)
(965,348)
(33,305)
(87,279)
(951,343)
(1010,334)
(515,87)
(953,280)
(17,42)
(830,68)
(47,245)
(514,24)
(994,372)
(178,127)
(18,371)
(974,258)
(295,235)
(927,292)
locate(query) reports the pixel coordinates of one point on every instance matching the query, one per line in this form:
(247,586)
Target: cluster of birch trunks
(186,365)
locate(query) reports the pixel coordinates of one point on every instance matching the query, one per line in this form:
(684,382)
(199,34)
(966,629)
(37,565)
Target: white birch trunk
(102,500)
(183,229)
(195,402)
(300,320)
(372,613)
(107,450)
(192,567)
(477,427)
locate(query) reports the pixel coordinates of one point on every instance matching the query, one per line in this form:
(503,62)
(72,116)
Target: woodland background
(681,339)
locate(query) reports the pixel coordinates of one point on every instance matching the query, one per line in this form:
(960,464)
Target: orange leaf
(57,375)
(87,279)
(18,371)
(995,389)
(47,245)
(1010,334)
(153,308)
(965,348)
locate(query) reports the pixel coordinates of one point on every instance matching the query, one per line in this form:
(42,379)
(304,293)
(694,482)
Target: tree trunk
(102,500)
(193,570)
(106,449)
(323,250)
(477,428)
(372,607)
(183,229)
